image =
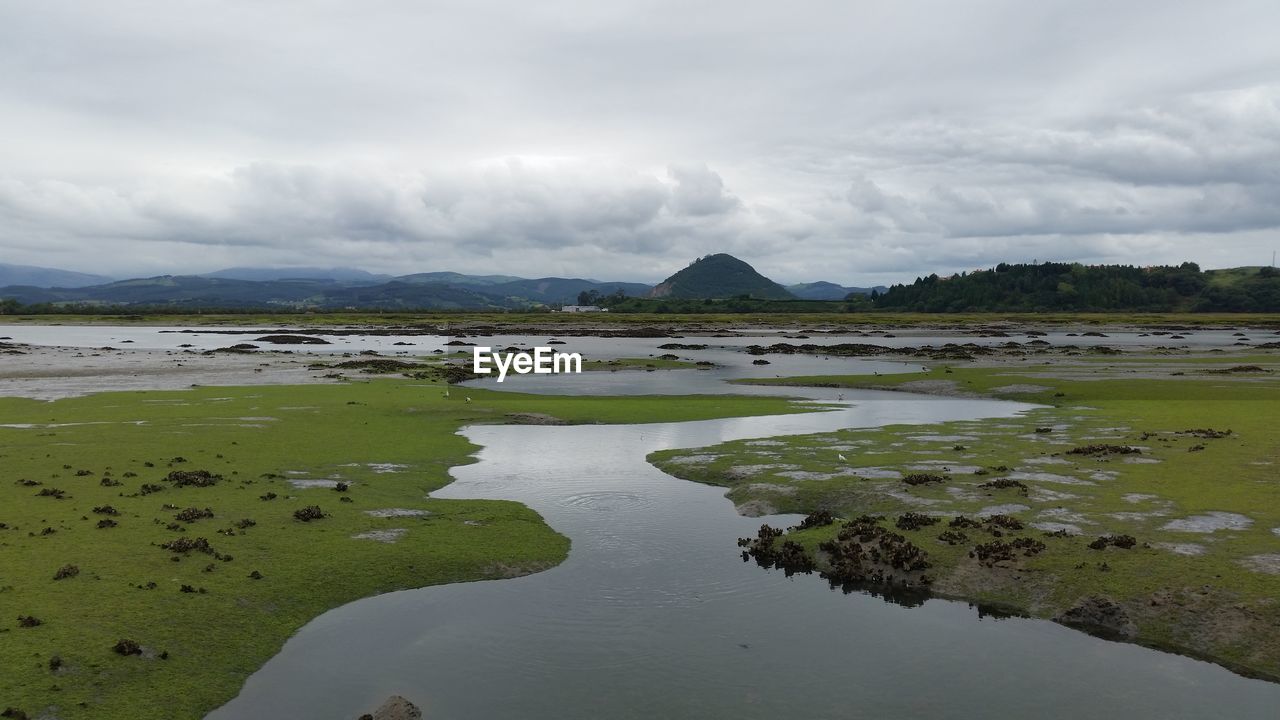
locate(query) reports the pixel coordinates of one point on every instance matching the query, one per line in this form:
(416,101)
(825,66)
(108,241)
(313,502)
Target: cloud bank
(855,142)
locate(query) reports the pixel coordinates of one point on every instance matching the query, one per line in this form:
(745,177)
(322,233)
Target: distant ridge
(262,274)
(42,277)
(719,276)
(823,290)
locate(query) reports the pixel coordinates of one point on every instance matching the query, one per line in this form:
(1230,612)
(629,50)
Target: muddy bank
(50,373)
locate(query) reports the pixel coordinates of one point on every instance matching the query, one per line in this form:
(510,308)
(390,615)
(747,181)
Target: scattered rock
(1005,484)
(292,340)
(127,647)
(309,513)
(1124,542)
(1104,450)
(192,514)
(914,521)
(395,708)
(192,478)
(1099,614)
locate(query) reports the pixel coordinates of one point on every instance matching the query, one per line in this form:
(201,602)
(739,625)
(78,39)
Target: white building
(583,308)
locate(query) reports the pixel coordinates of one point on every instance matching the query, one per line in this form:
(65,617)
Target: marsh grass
(261,572)
(1214,604)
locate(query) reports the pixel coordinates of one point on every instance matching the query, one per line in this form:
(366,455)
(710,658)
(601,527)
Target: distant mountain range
(714,276)
(46,277)
(342,275)
(829,291)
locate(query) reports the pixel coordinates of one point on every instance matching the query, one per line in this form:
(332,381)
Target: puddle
(1065,515)
(389,536)
(1190,549)
(1209,522)
(1056,526)
(396,513)
(1048,477)
(944,466)
(1138,497)
(1046,460)
(943,438)
(877,473)
(303,484)
(1043,495)
(1269,563)
(1007,509)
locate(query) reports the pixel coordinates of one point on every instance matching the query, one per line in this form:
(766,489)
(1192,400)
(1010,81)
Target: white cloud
(856,142)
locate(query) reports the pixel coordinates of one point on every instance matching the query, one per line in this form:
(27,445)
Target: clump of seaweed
(924,479)
(1104,449)
(914,521)
(192,514)
(820,518)
(192,478)
(1124,542)
(1005,484)
(997,551)
(127,647)
(309,513)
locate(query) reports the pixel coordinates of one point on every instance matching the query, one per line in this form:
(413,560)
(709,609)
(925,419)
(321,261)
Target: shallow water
(655,615)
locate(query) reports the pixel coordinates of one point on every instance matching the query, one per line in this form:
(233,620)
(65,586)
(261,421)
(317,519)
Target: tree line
(1047,287)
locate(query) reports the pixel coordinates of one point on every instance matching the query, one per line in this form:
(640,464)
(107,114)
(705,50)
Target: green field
(1214,594)
(391,441)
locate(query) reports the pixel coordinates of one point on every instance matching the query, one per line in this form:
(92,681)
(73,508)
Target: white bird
(446,393)
(468,399)
(842,457)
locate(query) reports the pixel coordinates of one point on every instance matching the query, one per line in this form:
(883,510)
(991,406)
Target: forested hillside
(1075,287)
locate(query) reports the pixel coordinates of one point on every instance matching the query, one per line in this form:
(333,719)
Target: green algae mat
(158,547)
(1141,501)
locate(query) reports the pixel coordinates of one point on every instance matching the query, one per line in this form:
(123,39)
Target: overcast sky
(853,141)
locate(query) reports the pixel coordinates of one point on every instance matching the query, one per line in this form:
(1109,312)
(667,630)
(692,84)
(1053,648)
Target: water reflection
(654,615)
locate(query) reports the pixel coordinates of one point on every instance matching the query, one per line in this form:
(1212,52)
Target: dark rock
(192,514)
(396,708)
(309,513)
(1099,614)
(192,478)
(924,478)
(1104,450)
(127,647)
(914,521)
(292,340)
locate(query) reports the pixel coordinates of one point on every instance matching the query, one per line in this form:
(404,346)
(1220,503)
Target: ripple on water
(606,501)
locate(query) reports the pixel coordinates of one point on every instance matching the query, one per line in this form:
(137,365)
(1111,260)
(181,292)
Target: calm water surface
(655,615)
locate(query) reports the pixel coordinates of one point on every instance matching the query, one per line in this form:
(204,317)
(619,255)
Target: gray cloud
(858,142)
